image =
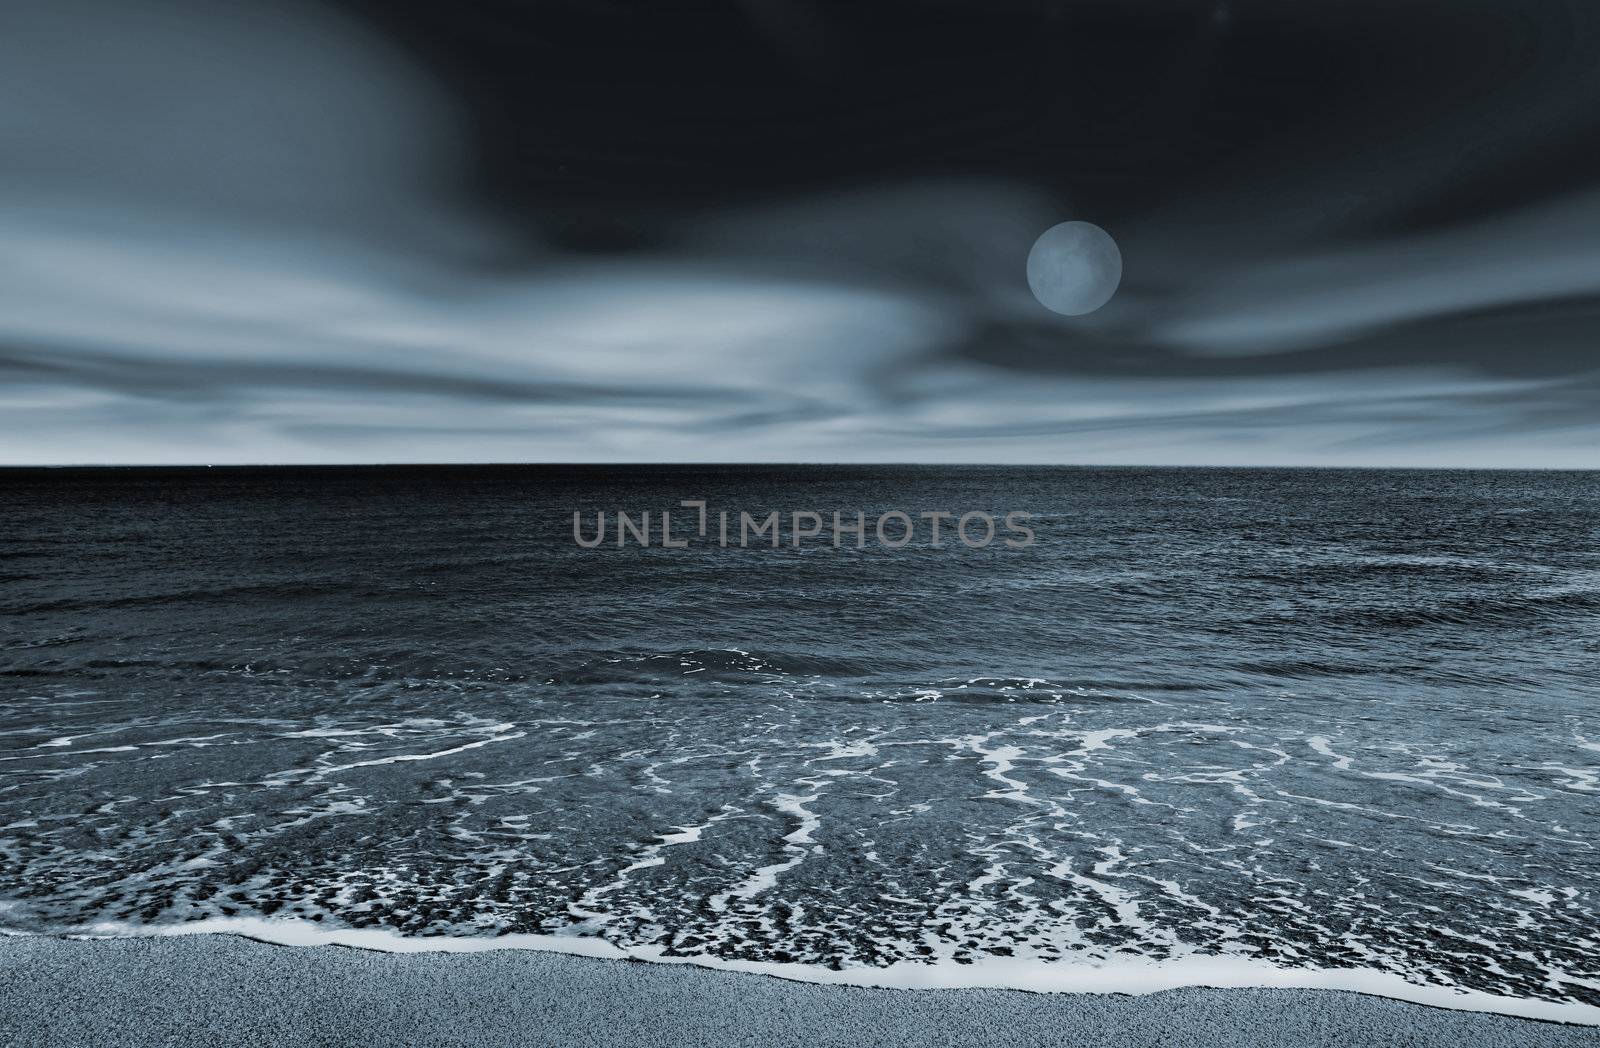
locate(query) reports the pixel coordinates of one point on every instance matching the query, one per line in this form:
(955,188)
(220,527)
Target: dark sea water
(1316,719)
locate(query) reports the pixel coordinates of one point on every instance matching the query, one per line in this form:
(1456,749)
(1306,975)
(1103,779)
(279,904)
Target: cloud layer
(276,271)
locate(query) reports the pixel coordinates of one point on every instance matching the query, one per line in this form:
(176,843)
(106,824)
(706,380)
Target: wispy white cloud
(1319,296)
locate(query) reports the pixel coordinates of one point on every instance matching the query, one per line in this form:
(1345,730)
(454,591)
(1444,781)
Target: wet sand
(223,990)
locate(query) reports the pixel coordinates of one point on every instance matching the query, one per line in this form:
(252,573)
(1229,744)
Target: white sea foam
(797,844)
(56,742)
(400,758)
(1122,975)
(1320,744)
(649,856)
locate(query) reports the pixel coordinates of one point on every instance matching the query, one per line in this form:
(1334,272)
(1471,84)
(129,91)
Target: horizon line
(617,464)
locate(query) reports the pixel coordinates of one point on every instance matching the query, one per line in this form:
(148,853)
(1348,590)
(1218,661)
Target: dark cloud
(1553,339)
(170,378)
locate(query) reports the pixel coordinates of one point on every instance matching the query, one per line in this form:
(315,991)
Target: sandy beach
(225,990)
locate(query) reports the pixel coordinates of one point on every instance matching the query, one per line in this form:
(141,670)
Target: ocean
(1335,725)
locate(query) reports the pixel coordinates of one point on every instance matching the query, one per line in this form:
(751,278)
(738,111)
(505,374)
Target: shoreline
(224,989)
(1124,977)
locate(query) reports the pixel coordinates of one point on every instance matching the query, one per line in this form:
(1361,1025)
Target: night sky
(1353,233)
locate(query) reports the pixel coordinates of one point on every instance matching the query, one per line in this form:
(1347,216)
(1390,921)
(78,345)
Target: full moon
(1074,268)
